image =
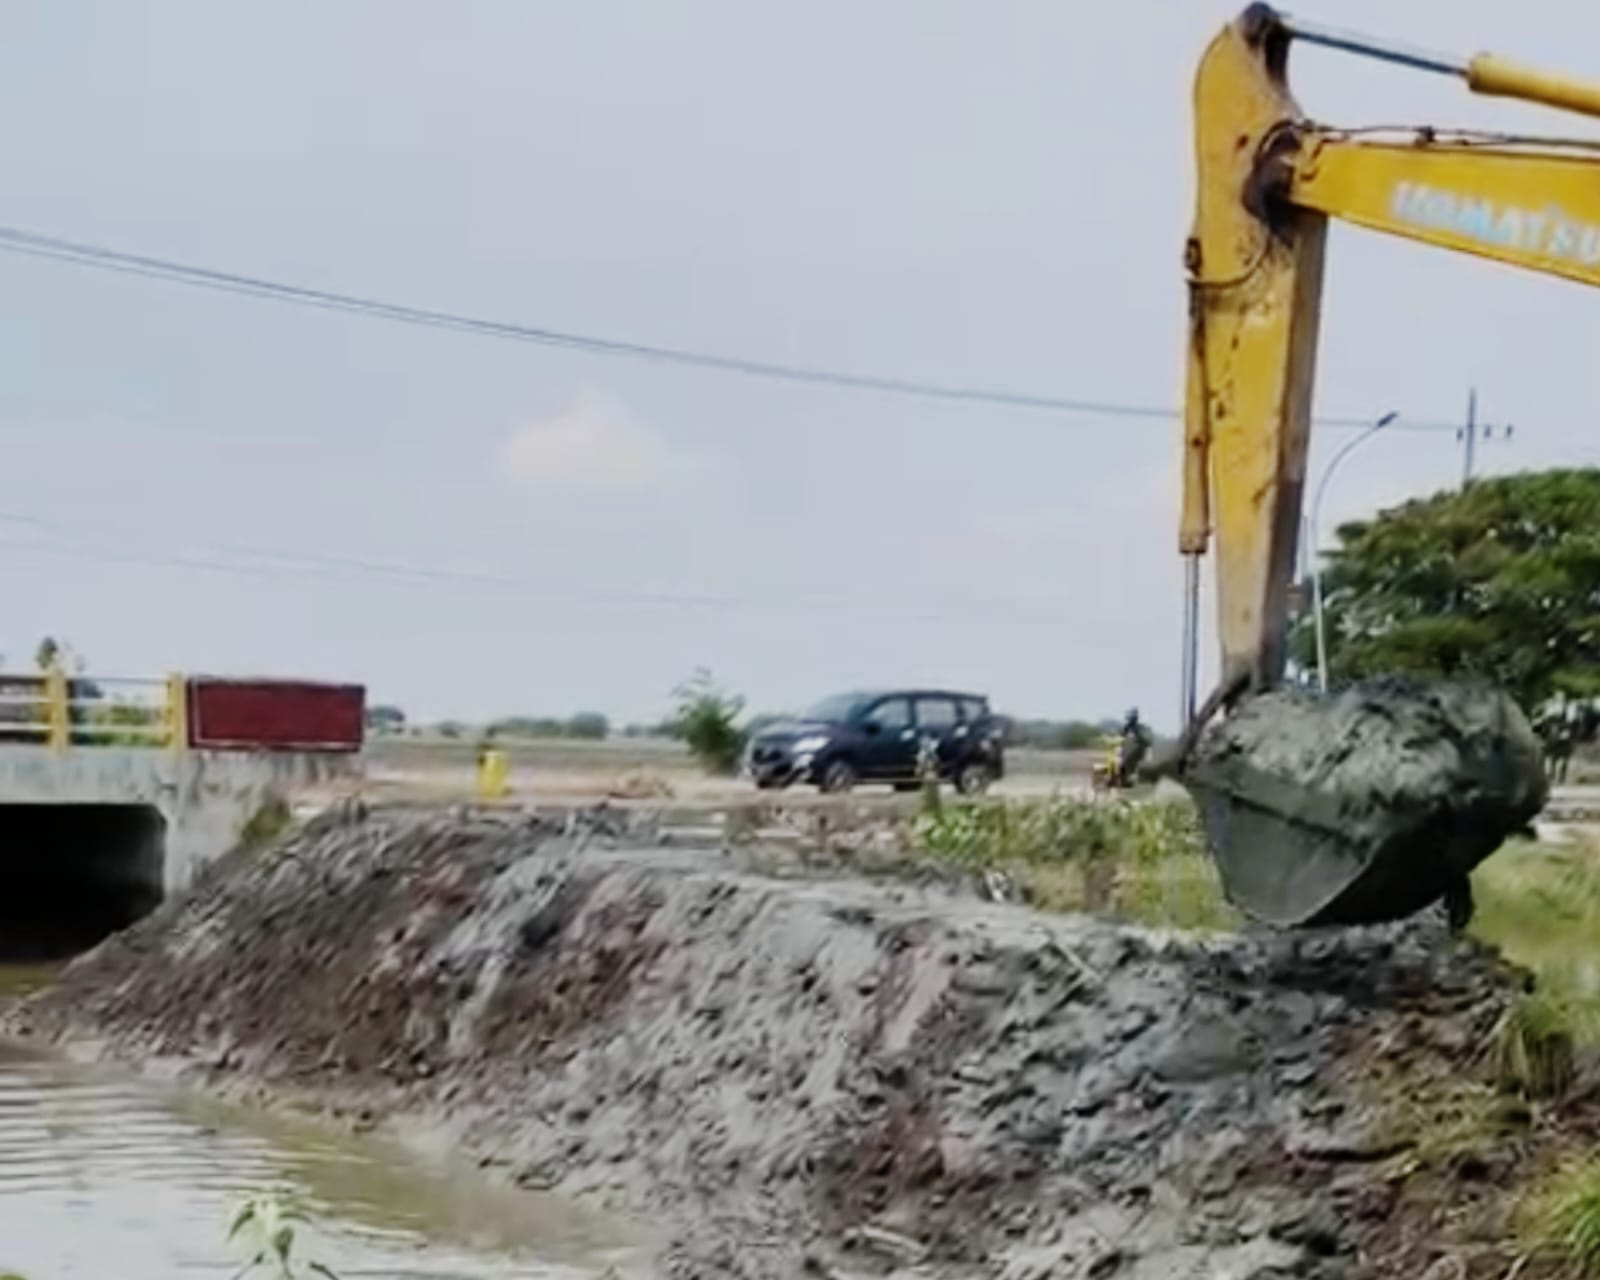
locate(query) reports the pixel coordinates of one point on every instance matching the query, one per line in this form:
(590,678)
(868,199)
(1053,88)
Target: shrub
(589,726)
(115,724)
(707,720)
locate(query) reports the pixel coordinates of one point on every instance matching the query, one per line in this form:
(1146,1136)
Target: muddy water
(103,1177)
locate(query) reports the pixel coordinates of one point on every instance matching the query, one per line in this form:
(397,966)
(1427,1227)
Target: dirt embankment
(806,1077)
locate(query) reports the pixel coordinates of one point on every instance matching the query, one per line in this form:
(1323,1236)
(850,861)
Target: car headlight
(812,743)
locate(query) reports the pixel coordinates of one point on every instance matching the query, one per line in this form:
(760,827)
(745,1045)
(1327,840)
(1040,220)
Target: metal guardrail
(59,711)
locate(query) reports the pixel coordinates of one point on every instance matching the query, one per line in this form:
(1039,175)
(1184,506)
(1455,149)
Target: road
(640,772)
(644,774)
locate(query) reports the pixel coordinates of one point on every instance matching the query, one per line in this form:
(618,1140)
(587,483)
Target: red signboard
(275,715)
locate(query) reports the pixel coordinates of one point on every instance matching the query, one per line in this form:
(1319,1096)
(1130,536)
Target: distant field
(567,768)
(619,755)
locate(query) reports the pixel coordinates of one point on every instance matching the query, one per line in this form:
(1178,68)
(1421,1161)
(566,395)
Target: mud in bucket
(1363,807)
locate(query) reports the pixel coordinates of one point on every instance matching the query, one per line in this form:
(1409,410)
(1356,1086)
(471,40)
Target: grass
(1540,905)
(1145,860)
(1139,861)
(1447,1123)
(1533,1048)
(1563,1219)
(269,821)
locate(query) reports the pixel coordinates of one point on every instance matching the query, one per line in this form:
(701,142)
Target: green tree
(1056,735)
(528,727)
(386,719)
(1500,580)
(48,654)
(120,724)
(588,725)
(707,720)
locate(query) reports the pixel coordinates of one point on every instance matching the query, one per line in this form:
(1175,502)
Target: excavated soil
(827,1077)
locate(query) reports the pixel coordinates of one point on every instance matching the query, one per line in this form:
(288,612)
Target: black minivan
(878,737)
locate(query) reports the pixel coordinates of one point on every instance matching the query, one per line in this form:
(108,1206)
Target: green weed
(1143,861)
(269,821)
(266,1226)
(1563,1219)
(989,831)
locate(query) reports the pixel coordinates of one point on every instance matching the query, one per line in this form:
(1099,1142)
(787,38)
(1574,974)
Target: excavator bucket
(1365,807)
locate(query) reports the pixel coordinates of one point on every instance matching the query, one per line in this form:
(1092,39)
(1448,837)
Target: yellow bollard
(493,769)
(58,711)
(175,714)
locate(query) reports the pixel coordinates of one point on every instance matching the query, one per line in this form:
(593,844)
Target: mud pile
(816,1078)
(1365,807)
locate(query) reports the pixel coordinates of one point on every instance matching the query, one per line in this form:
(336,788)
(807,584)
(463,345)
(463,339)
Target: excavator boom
(1527,207)
(1269,179)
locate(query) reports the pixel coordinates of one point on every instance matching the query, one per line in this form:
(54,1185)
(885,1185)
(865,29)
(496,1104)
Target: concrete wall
(205,797)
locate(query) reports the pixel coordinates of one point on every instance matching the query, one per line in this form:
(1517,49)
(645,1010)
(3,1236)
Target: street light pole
(1315,539)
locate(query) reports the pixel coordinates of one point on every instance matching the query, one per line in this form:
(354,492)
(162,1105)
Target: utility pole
(1469,434)
(1469,438)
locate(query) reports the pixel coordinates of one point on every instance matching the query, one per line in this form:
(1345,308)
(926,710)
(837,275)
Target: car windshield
(837,709)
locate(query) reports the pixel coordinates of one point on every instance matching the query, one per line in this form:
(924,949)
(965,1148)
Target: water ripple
(100,1176)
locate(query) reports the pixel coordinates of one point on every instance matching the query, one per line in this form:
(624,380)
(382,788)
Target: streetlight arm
(1315,538)
(1333,464)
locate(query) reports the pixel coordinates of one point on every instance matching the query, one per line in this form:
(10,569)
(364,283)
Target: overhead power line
(118,546)
(31,244)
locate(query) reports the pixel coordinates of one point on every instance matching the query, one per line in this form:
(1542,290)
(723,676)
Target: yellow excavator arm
(1268,181)
(1372,805)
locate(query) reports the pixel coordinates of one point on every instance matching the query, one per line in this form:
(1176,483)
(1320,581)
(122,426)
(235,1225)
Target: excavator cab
(1380,800)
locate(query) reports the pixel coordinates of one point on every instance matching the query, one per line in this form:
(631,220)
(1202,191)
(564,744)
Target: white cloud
(593,444)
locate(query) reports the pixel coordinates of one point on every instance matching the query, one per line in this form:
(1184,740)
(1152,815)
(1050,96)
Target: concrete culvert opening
(72,874)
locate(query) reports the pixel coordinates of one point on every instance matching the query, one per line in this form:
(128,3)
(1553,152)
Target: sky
(957,192)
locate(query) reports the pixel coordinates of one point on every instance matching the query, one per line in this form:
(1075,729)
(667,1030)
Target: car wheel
(771,784)
(838,775)
(974,778)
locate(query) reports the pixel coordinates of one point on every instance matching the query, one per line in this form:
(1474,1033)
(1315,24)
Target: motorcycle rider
(1135,746)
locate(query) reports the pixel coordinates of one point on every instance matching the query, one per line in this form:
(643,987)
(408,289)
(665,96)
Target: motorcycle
(1105,774)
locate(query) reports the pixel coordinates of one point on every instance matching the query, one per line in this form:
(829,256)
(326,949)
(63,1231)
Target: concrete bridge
(116,792)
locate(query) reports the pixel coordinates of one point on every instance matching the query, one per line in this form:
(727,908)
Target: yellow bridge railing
(64,710)
(59,710)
